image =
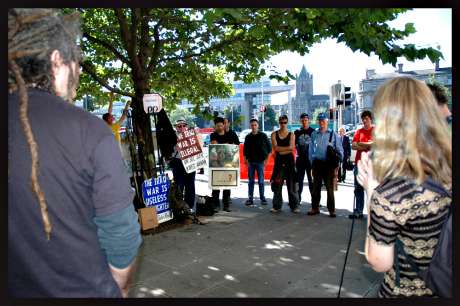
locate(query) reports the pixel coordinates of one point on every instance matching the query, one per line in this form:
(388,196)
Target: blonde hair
(411,137)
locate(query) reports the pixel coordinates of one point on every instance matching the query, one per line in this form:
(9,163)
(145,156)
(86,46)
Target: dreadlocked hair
(33,34)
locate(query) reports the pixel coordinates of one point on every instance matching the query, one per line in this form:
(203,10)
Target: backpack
(204,206)
(332,156)
(438,275)
(181,210)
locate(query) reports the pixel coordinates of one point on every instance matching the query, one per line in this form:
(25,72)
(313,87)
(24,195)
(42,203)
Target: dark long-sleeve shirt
(256,147)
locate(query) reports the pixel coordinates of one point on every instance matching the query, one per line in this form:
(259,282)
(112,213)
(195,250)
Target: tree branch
(125,34)
(156,48)
(108,46)
(89,68)
(134,24)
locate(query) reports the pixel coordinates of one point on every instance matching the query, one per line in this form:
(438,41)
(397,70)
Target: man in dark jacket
(346,154)
(256,152)
(302,141)
(75,232)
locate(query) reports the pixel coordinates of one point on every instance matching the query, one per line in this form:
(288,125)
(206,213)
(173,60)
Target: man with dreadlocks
(72,228)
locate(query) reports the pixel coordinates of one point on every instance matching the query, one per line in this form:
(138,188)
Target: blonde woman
(411,164)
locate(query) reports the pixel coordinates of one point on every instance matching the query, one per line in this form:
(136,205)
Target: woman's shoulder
(392,188)
(405,194)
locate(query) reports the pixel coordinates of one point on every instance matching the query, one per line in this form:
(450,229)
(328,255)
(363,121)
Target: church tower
(304,83)
(304,91)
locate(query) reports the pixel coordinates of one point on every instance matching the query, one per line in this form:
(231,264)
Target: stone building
(373,80)
(305,101)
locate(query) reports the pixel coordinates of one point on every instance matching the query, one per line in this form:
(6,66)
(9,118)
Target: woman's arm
(379,256)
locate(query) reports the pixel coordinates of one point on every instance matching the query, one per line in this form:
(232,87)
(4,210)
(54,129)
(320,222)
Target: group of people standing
(311,159)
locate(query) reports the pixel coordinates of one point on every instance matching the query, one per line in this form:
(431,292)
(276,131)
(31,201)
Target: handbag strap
(330,138)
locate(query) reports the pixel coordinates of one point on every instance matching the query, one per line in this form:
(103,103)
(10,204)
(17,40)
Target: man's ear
(56,60)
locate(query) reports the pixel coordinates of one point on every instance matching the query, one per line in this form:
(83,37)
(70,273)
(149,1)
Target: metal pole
(231,105)
(160,158)
(263,126)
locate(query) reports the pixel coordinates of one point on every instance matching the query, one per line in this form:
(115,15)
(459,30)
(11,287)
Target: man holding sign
(186,181)
(219,136)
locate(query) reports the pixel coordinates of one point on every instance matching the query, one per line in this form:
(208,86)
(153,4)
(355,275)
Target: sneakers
(332,214)
(263,202)
(296,210)
(274,210)
(249,203)
(355,216)
(313,212)
(226,209)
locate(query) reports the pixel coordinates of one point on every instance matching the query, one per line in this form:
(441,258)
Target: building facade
(369,86)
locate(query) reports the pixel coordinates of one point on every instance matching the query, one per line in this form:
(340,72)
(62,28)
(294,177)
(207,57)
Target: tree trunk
(144,140)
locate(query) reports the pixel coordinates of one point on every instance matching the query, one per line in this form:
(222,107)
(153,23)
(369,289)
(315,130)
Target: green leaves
(185,53)
(409,28)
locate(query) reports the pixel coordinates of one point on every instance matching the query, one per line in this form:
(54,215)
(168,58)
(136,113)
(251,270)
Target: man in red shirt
(362,142)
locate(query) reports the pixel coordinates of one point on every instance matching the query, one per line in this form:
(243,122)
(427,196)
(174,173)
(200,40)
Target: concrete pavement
(250,252)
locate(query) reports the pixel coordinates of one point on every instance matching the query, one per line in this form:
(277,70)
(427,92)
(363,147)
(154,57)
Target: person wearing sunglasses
(283,143)
(186,181)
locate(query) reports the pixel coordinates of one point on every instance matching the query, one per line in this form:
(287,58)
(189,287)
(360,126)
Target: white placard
(153,103)
(190,151)
(224,166)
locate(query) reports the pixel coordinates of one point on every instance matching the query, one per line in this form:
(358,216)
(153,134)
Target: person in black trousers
(283,143)
(322,170)
(219,136)
(346,154)
(302,141)
(186,181)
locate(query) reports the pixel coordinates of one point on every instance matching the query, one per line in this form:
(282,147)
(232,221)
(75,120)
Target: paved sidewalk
(250,252)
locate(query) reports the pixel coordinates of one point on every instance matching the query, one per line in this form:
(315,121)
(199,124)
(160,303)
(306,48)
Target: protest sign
(155,193)
(190,151)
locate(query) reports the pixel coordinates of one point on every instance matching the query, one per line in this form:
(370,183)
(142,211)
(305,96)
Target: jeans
(323,172)
(302,168)
(359,194)
(252,168)
(186,181)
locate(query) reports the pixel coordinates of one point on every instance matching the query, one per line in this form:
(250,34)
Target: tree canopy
(187,53)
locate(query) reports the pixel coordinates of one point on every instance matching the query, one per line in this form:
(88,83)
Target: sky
(329,61)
